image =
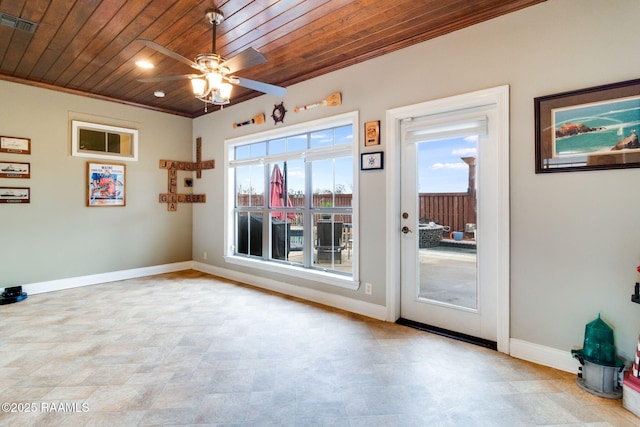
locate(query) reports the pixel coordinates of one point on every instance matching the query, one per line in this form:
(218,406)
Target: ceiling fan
(216,76)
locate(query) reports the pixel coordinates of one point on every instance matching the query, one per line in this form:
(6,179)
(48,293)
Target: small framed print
(15,195)
(10,144)
(372,133)
(15,170)
(370,161)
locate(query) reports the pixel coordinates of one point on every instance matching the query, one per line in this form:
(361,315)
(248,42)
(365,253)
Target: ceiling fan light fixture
(198,86)
(215,80)
(205,92)
(225,91)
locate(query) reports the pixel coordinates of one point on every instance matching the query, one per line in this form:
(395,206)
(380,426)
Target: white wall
(574,242)
(56,236)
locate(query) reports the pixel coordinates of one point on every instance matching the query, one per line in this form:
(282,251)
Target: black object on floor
(12,294)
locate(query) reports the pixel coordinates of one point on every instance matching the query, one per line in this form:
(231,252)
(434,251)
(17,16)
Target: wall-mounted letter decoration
(172,198)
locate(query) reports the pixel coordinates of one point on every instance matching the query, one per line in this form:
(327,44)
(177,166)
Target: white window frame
(294,270)
(76,151)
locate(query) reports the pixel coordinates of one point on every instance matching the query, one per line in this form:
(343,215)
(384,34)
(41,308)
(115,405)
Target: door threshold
(492,345)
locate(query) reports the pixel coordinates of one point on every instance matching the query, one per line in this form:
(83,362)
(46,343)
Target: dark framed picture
(15,195)
(588,129)
(15,170)
(373,160)
(106,184)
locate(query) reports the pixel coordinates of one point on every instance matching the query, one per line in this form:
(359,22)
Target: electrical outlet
(204,255)
(367,288)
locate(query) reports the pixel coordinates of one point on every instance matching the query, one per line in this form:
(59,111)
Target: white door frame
(500,97)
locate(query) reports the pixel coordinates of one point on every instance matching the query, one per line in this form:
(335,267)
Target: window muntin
(321,158)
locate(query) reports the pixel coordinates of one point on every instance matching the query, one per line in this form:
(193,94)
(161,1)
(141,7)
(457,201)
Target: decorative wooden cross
(172,198)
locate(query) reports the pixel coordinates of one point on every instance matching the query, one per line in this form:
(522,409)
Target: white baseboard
(348,304)
(543,355)
(112,276)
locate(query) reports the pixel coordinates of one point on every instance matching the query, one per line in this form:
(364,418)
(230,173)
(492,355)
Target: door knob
(405,230)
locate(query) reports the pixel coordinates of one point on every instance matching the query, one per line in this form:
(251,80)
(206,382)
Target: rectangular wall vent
(17,23)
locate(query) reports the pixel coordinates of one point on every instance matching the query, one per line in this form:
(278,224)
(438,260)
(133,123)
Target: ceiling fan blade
(261,87)
(163,50)
(245,59)
(168,78)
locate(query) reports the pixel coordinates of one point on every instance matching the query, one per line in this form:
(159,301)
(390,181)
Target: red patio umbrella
(278,194)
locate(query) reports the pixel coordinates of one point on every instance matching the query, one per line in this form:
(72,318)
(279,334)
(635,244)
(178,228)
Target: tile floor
(190,349)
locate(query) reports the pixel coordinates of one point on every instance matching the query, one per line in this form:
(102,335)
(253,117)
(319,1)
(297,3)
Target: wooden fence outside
(340,200)
(449,209)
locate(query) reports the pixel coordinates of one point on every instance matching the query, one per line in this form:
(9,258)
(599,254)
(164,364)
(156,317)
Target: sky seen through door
(445,171)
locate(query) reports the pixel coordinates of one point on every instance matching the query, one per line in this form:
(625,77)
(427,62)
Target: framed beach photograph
(106,184)
(588,129)
(15,195)
(15,170)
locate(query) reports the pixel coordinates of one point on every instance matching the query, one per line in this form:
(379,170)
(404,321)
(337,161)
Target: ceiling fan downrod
(215,18)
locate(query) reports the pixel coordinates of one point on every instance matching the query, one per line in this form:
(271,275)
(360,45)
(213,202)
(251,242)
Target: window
(102,141)
(300,181)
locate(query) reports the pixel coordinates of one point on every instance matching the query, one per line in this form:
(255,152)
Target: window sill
(295,271)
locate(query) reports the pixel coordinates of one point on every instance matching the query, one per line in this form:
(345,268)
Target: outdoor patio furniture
(329,244)
(250,239)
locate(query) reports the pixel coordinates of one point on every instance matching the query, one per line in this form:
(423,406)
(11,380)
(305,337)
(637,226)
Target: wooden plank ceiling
(89,47)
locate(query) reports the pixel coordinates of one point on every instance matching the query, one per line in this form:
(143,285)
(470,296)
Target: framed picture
(370,161)
(15,170)
(10,144)
(372,133)
(588,129)
(106,184)
(15,195)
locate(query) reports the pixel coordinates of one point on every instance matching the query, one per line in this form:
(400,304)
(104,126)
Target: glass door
(445,164)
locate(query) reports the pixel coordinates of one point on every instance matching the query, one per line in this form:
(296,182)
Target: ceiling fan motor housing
(210,62)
